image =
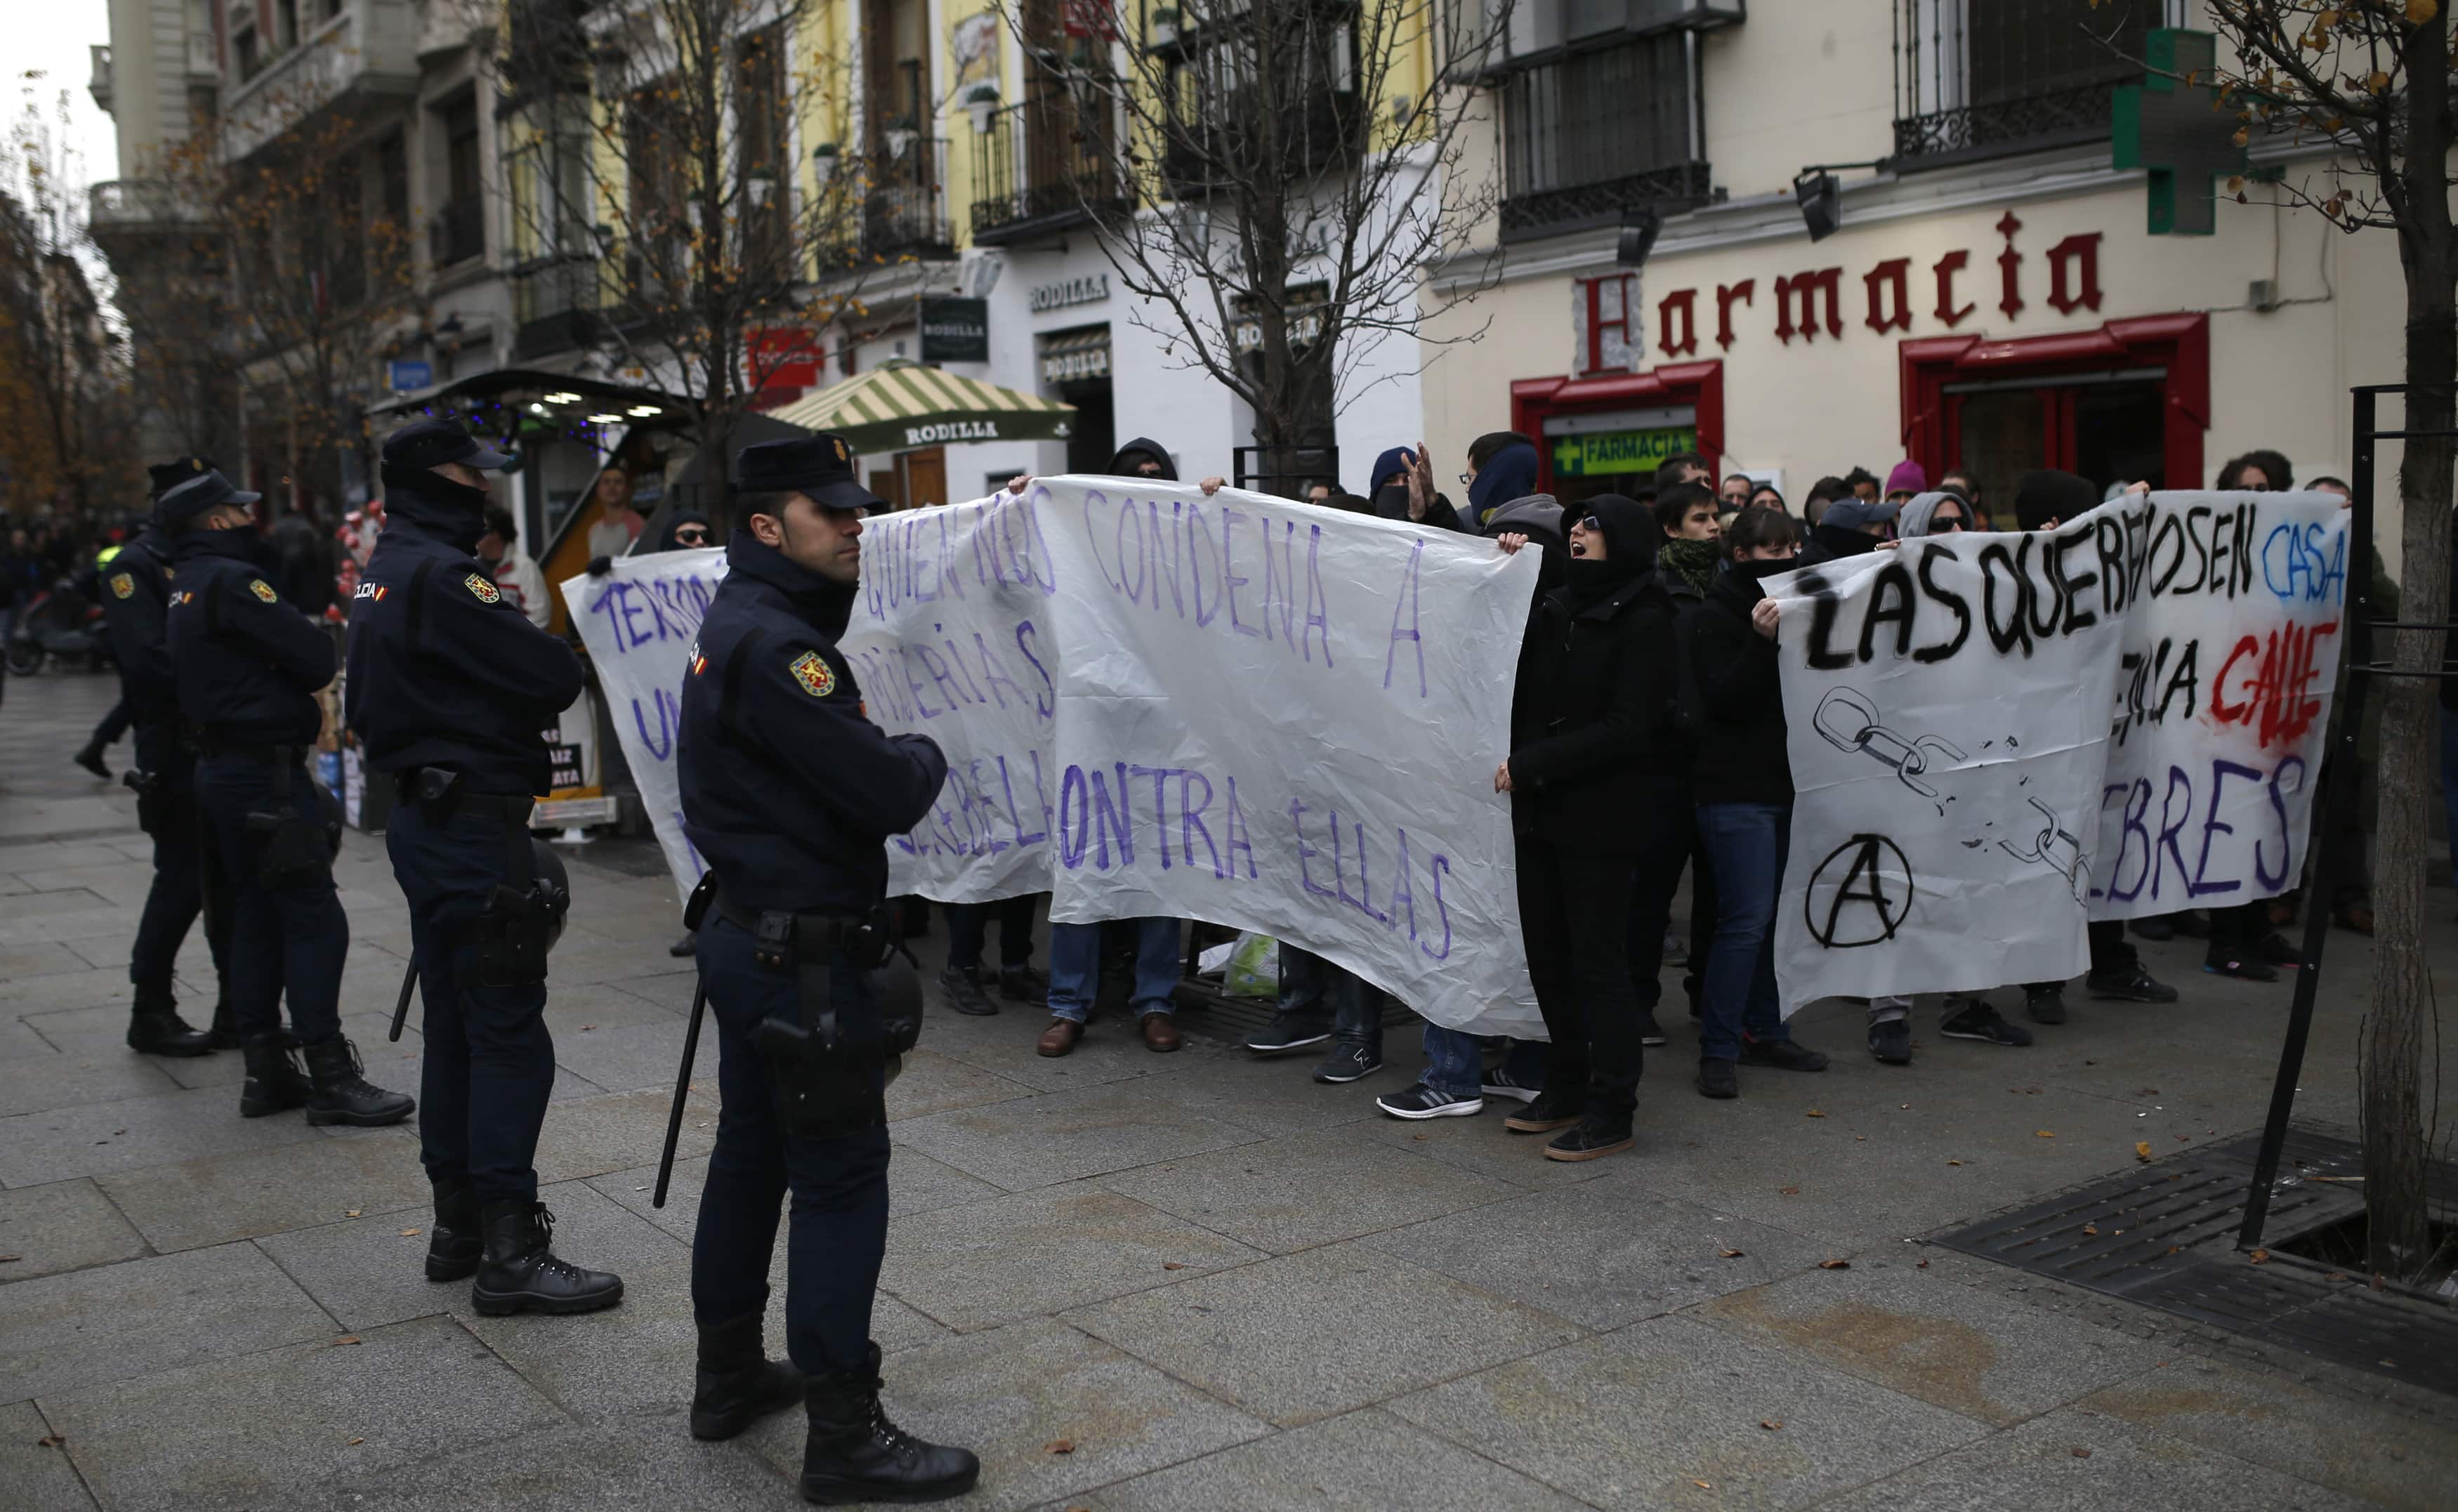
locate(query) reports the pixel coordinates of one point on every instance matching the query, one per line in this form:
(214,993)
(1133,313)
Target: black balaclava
(1123,464)
(1631,534)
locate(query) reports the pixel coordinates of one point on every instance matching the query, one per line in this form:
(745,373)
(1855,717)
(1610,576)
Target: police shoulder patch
(264,591)
(485,592)
(812,671)
(122,585)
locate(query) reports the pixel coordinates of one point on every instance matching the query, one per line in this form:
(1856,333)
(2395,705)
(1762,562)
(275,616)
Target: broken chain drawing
(1849,722)
(2058,850)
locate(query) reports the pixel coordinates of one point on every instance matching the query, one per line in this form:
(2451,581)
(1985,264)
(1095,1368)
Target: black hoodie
(1594,686)
(1144,446)
(444,670)
(1741,755)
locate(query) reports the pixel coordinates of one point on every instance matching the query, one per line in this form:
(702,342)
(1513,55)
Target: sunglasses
(1592,525)
(690,536)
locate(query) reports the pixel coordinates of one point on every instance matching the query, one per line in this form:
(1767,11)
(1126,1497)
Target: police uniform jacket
(443,671)
(789,791)
(248,665)
(135,588)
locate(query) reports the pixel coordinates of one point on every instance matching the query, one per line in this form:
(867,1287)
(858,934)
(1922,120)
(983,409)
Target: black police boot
(155,1027)
(273,1082)
(519,1269)
(339,1094)
(90,756)
(855,1453)
(738,1383)
(225,1033)
(453,1246)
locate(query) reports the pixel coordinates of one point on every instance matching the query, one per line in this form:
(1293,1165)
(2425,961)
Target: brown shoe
(1059,1038)
(1161,1033)
(2357,917)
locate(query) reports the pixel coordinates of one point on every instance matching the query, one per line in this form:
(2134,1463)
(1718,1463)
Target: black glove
(600,565)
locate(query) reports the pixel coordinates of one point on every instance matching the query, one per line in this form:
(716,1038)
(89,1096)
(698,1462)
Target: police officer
(450,688)
(791,793)
(135,588)
(248,667)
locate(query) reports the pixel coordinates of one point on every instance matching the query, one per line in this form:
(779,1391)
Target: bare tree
(2373,77)
(1284,171)
(653,165)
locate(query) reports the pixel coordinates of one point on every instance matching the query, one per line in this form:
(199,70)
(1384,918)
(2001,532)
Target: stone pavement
(1222,1285)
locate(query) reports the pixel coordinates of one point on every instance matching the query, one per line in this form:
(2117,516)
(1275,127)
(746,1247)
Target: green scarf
(1694,562)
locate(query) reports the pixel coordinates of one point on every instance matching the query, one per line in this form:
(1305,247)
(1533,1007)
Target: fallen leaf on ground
(1923,1266)
(2091,1229)
(1702,1485)
(1173,1265)
(1863,1138)
(409,1233)
(2336,1276)
(1730,1254)
(1812,1113)
(49,1442)
(2150,1091)
(2142,1150)
(1770,1424)
(586,1027)
(11,1259)
(348,1338)
(2258,1256)
(2042,1133)
(1788,1191)
(1420,1136)
(1059,1447)
(358,1440)
(1835,1265)
(2081,1453)
(1954,1163)
(352,1212)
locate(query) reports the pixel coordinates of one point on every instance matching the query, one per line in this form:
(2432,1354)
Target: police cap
(821,466)
(169,475)
(434,442)
(202,491)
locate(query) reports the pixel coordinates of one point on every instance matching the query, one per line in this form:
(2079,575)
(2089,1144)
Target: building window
(762,149)
(1592,131)
(459,231)
(1217,97)
(248,52)
(1051,161)
(1991,78)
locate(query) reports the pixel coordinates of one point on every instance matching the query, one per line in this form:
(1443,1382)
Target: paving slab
(117,1321)
(1642,1416)
(1479,1144)
(1037,1142)
(39,1475)
(916,1184)
(933,1083)
(1361,1461)
(1010,1393)
(2267,1417)
(1111,1051)
(1956,1334)
(640,1464)
(1296,1192)
(1602,1255)
(189,1204)
(364,1271)
(93,1138)
(51,990)
(629,1057)
(991,1262)
(2079,1461)
(1277,1095)
(255,1424)
(65,1226)
(1318,1334)
(34,1084)
(590,1136)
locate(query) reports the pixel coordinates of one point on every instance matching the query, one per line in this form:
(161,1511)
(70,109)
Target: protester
(1689,560)
(1822,493)
(1861,482)
(1908,478)
(968,926)
(1744,782)
(516,577)
(1963,485)
(1735,492)
(1850,526)
(618,525)
(1403,488)
(1766,496)
(1688,511)
(1501,467)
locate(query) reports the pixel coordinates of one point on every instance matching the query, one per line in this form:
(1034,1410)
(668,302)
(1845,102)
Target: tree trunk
(2392,1058)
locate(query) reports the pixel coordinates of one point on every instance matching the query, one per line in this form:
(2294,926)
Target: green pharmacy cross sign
(2179,132)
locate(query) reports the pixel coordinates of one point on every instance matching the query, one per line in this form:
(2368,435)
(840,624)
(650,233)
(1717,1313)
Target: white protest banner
(1995,738)
(638,623)
(1232,707)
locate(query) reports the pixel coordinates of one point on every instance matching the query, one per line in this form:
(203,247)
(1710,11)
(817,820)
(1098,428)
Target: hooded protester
(685,530)
(1743,782)
(1142,458)
(1849,527)
(1594,683)
(1404,489)
(1511,473)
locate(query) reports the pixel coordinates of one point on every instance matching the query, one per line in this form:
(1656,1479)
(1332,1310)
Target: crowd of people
(1648,743)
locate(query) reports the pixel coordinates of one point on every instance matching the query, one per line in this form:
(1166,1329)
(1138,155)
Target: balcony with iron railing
(1038,170)
(1593,133)
(128,209)
(903,207)
(1976,81)
(366,50)
(1211,149)
(556,304)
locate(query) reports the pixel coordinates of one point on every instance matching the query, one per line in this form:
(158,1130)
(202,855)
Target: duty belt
(779,931)
(439,792)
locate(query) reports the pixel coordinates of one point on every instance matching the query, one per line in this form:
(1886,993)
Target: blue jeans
(839,1184)
(1075,968)
(1745,845)
(1310,984)
(1455,1061)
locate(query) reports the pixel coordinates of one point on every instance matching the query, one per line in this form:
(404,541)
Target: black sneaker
(1290,1031)
(2134,983)
(2153,927)
(2273,947)
(2045,1005)
(1783,1055)
(1980,1022)
(1650,1032)
(1024,985)
(1891,1041)
(1716,1078)
(1424,1102)
(1552,1109)
(962,985)
(1500,1082)
(2221,962)
(1348,1063)
(1598,1134)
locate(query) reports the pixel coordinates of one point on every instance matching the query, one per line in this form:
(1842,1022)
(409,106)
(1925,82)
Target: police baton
(693,910)
(401,1004)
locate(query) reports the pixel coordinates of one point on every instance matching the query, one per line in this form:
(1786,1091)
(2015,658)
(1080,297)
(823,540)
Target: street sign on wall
(404,375)
(955,330)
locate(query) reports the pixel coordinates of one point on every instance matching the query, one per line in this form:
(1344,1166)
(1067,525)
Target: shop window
(1988,78)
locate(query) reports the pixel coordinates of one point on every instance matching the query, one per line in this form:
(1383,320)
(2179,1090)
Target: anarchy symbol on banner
(1849,722)
(1864,903)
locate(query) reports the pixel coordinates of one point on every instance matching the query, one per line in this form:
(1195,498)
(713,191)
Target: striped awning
(904,404)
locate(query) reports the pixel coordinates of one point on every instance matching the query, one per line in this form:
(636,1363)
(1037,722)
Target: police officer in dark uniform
(791,793)
(450,688)
(135,590)
(248,667)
